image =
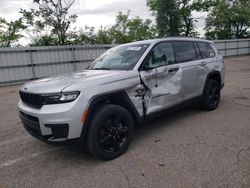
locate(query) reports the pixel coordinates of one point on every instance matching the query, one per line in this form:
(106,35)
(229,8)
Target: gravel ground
(188,148)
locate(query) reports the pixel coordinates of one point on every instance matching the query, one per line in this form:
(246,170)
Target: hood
(87,78)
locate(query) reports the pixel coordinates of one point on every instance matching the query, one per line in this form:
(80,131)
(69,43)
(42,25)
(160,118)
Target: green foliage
(140,29)
(125,30)
(50,24)
(131,29)
(175,17)
(10,32)
(45,40)
(228,19)
(167,16)
(103,36)
(119,32)
(51,19)
(186,10)
(83,36)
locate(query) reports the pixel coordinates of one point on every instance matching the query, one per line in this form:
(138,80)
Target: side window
(184,51)
(162,55)
(197,51)
(206,50)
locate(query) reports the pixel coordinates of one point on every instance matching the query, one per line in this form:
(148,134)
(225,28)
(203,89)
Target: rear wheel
(211,95)
(110,132)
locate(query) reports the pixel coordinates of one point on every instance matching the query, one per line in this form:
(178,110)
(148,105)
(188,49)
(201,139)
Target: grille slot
(30,123)
(31,118)
(33,100)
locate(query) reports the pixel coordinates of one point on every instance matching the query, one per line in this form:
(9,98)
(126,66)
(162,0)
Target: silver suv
(124,86)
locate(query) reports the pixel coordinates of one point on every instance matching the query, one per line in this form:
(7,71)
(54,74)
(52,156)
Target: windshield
(119,58)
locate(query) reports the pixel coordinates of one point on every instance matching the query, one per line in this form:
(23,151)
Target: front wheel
(211,95)
(110,132)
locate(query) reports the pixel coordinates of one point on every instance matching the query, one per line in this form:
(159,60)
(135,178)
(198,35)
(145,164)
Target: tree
(186,10)
(131,29)
(52,18)
(83,36)
(125,30)
(175,17)
(10,32)
(119,32)
(228,19)
(140,29)
(168,20)
(45,40)
(103,36)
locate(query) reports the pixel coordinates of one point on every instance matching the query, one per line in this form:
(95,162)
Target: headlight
(60,98)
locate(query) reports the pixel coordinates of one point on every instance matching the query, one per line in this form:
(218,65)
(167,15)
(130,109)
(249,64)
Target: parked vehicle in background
(124,86)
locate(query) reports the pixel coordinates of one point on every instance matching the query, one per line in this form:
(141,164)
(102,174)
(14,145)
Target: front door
(162,78)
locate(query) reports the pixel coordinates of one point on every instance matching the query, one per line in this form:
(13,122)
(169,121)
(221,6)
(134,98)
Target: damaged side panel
(163,88)
(136,94)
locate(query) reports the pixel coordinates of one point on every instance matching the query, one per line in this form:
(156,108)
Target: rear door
(189,58)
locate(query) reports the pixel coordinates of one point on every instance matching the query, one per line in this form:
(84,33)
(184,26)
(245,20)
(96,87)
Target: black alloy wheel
(113,135)
(214,96)
(211,95)
(110,132)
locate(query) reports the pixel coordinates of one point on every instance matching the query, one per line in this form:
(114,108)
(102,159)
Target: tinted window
(197,51)
(206,50)
(162,55)
(184,51)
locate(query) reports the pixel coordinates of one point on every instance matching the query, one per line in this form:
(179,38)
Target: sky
(91,12)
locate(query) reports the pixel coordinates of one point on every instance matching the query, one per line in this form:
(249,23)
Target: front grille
(33,100)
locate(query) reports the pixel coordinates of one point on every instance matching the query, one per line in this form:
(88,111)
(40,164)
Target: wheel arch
(215,75)
(212,75)
(120,98)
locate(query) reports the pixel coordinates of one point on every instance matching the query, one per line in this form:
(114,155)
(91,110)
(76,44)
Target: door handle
(173,70)
(203,64)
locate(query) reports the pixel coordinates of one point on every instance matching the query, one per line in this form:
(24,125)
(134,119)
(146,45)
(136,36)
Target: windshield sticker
(134,48)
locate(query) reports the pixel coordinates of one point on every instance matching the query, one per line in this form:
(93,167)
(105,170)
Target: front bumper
(54,123)
(32,126)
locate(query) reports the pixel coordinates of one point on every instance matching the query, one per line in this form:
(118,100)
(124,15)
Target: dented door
(163,87)
(162,79)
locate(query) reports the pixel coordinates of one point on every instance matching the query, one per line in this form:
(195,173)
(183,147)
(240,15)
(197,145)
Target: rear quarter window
(206,50)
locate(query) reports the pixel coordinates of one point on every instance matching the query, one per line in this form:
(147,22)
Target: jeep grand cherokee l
(123,86)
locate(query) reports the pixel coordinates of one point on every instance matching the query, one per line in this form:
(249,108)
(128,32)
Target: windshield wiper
(101,69)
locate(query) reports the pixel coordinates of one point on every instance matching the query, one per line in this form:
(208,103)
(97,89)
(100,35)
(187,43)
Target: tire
(211,95)
(110,132)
